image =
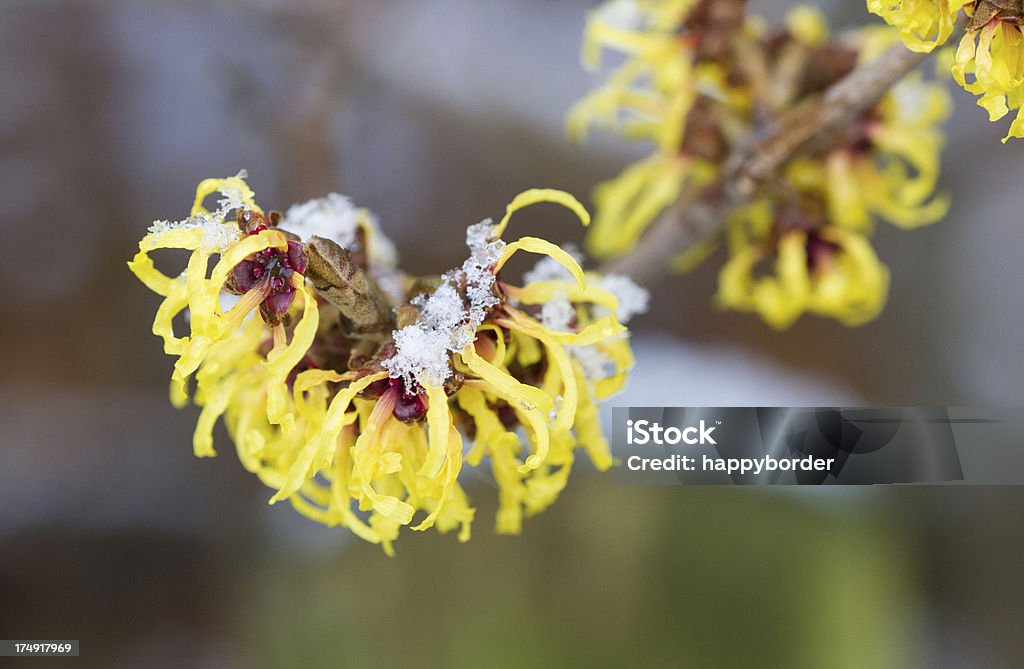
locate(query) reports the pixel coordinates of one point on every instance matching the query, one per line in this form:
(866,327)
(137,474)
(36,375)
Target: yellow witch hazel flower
(786,260)
(995,60)
(922,24)
(649,95)
(352,391)
(989,61)
(669,69)
(888,162)
(275,280)
(803,246)
(806,248)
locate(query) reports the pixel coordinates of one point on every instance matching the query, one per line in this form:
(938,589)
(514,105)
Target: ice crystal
(633,299)
(217,235)
(557,314)
(332,217)
(595,363)
(450,316)
(335,217)
(232,197)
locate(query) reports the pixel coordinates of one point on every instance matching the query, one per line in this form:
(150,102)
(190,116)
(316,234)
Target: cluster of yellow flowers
(651,96)
(361,424)
(802,245)
(989,61)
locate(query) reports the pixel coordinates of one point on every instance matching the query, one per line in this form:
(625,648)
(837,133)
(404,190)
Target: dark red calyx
(244,277)
(277,272)
(275,307)
(270,268)
(411,405)
(820,252)
(297,257)
(410,408)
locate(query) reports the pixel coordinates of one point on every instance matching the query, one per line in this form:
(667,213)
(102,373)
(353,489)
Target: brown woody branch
(688,222)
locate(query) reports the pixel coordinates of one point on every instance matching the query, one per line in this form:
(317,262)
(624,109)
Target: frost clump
(334,217)
(233,193)
(596,364)
(633,299)
(448,321)
(217,234)
(557,313)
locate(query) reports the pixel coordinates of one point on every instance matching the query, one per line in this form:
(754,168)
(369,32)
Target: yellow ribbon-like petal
(544,247)
(538,195)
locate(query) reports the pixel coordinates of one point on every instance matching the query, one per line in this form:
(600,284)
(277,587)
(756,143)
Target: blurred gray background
(433,115)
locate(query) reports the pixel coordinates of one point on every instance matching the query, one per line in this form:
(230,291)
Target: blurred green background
(434,114)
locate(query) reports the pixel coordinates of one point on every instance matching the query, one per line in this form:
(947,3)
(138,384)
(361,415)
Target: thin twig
(686,223)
